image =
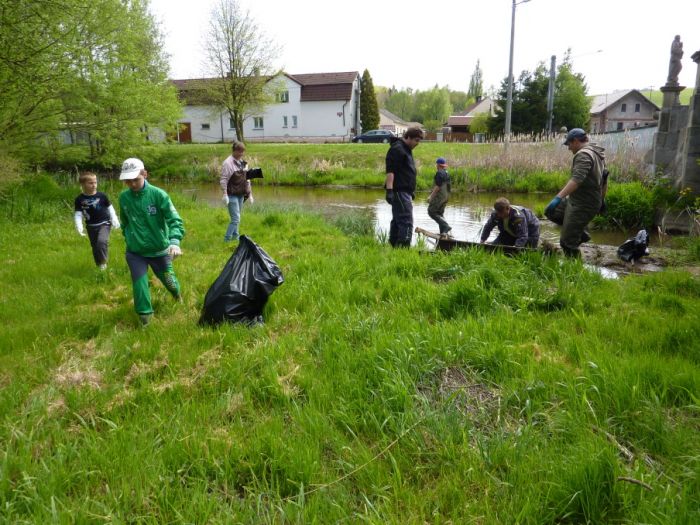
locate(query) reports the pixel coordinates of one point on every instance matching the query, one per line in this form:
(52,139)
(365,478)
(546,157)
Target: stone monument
(688,160)
(676,150)
(675,137)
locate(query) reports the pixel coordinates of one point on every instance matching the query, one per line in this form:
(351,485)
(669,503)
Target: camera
(254,173)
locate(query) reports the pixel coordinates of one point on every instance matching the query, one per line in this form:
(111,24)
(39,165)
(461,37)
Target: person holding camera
(236,187)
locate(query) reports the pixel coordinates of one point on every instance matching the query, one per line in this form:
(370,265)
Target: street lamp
(509,100)
(550,90)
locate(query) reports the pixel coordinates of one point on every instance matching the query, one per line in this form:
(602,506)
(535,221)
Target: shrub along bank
(386,385)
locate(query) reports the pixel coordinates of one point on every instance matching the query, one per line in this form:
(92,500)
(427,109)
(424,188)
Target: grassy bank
(474,167)
(385,387)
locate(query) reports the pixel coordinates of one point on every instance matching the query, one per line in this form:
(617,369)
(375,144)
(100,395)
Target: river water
(465,212)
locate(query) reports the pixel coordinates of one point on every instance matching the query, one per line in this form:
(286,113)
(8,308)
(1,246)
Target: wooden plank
(449,243)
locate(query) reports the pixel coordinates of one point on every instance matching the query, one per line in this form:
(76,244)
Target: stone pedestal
(671,122)
(689,153)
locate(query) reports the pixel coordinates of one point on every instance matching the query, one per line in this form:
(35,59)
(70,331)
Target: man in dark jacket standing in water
(401,186)
(584,191)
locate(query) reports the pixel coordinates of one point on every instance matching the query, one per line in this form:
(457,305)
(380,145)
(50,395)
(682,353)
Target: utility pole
(509,101)
(550,94)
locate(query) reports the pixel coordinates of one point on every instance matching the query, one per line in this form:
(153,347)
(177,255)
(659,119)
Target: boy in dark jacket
(100,217)
(439,196)
(153,231)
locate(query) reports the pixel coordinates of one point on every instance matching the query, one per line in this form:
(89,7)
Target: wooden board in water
(450,243)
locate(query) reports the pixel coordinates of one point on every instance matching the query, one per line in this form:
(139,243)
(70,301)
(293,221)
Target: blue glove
(552,205)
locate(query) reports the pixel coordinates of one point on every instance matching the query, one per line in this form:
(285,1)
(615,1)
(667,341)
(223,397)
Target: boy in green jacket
(153,230)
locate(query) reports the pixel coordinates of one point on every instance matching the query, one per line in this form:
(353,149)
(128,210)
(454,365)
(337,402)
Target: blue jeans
(235,204)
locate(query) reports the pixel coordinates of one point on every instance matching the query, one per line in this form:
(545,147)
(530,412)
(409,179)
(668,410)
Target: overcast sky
(418,44)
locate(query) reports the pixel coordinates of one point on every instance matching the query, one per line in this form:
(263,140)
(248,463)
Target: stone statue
(675,65)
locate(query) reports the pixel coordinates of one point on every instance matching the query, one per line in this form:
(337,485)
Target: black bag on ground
(634,249)
(240,292)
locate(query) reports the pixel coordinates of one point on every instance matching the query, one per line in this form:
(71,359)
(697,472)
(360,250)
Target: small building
(393,123)
(316,107)
(459,124)
(622,110)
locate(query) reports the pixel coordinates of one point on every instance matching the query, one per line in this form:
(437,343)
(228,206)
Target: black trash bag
(634,249)
(240,292)
(557,214)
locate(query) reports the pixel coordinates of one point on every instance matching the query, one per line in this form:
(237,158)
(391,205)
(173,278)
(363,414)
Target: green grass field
(385,387)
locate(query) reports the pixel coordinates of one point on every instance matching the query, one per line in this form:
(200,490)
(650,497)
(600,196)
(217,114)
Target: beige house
(460,122)
(622,110)
(394,123)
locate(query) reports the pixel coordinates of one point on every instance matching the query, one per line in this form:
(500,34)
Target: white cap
(131,168)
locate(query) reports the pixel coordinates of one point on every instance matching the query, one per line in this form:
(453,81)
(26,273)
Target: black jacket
(399,161)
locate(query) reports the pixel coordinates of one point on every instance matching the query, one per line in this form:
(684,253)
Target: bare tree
(240,58)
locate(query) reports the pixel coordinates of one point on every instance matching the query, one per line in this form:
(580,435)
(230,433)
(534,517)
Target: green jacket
(587,170)
(150,222)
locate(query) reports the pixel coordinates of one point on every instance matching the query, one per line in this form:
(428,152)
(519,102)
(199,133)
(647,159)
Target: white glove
(78,221)
(82,234)
(251,200)
(225,199)
(113,218)
(174,251)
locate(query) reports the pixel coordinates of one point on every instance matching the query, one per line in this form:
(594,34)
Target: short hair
(413,133)
(237,145)
(501,204)
(85,176)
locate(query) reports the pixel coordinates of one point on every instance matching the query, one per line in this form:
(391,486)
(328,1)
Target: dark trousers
(99,240)
(401,228)
(573,231)
(436,213)
(505,239)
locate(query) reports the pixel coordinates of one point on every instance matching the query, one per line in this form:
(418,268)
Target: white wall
(321,120)
(197,116)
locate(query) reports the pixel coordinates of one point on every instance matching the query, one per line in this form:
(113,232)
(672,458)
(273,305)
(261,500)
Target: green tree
(369,109)
(476,83)
(240,57)
(529,108)
(401,103)
(460,100)
(88,67)
(480,123)
(572,107)
(434,107)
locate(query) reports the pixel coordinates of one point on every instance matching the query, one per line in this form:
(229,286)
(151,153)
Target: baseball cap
(576,133)
(441,160)
(131,169)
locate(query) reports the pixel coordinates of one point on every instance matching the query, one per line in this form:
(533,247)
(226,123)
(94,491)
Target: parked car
(375,135)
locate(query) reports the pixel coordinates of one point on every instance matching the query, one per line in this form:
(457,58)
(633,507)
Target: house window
(637,108)
(620,126)
(282,96)
(284,121)
(257,123)
(623,108)
(231,124)
(294,121)
(205,126)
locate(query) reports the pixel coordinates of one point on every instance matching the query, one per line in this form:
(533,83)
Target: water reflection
(466,213)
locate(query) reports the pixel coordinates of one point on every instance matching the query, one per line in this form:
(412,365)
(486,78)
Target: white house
(622,110)
(316,107)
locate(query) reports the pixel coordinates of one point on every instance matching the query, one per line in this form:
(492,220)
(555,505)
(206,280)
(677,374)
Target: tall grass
(386,385)
(363,164)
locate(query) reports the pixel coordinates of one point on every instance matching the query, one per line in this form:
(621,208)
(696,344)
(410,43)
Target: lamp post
(550,90)
(509,100)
